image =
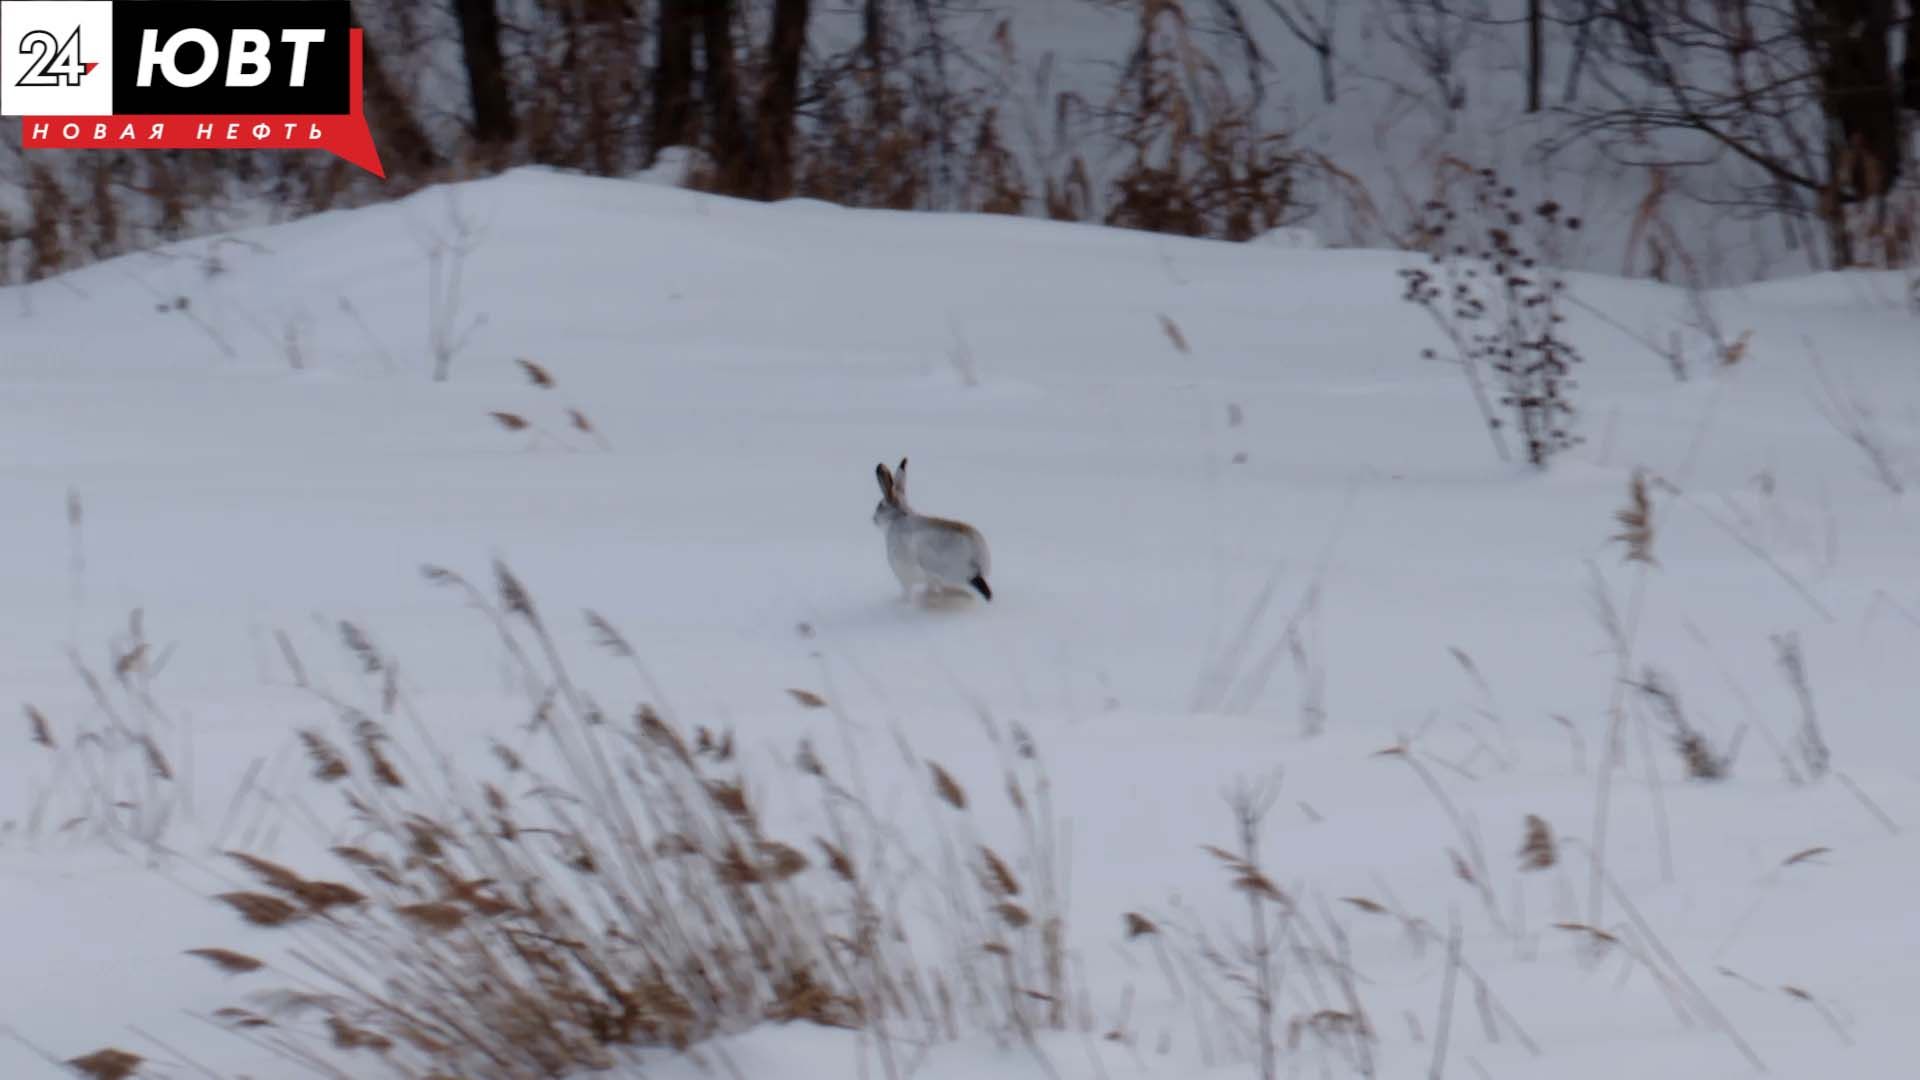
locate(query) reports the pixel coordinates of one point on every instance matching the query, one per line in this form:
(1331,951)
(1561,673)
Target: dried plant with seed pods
(1492,291)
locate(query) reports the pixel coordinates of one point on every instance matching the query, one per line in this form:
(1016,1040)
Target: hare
(937,554)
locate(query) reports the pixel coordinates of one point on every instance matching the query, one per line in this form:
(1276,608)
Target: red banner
(345,136)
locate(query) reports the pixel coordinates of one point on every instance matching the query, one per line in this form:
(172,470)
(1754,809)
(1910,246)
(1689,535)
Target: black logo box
(325,92)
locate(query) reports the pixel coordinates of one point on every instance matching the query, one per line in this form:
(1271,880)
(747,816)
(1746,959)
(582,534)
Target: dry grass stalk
(1809,740)
(156,758)
(327,760)
(1833,1020)
(1250,802)
(801,996)
(510,421)
(1013,914)
(1636,521)
(514,598)
(1443,1025)
(437,917)
(537,375)
(108,1064)
(1538,851)
(1855,418)
(292,657)
(807,698)
(271,874)
(945,786)
(38,729)
(719,748)
(996,876)
(260,909)
(1461,869)
(731,797)
(361,646)
(1803,856)
(773,862)
(1680,986)
(320,896)
(1638,535)
(1701,760)
(1736,350)
(129,661)
(838,862)
(346,1036)
(1866,802)
(424,836)
(374,866)
(1247,878)
(241,1018)
(607,637)
(1179,340)
(1593,933)
(780,861)
(379,766)
(1471,868)
(1138,925)
(227,960)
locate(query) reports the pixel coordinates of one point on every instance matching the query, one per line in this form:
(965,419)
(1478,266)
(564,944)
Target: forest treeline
(1177,118)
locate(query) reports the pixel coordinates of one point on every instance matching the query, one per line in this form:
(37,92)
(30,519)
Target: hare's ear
(900,478)
(886,482)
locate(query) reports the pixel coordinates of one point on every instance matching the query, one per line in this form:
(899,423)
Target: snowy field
(1208,542)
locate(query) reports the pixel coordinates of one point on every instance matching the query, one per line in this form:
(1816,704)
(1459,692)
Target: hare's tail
(979,584)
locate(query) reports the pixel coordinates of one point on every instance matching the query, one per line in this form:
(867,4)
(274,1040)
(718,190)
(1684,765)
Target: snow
(746,367)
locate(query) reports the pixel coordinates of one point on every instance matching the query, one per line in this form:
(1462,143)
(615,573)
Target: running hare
(934,553)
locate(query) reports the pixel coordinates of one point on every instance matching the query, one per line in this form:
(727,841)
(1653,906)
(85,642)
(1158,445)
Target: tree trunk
(1857,82)
(1582,38)
(1910,59)
(873,32)
(731,143)
(779,96)
(1535,61)
(493,123)
(671,122)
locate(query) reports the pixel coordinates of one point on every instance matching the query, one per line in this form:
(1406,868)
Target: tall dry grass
(615,882)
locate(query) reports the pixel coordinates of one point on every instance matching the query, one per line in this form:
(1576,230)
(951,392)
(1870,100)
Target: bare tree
(1802,94)
(1435,35)
(1312,21)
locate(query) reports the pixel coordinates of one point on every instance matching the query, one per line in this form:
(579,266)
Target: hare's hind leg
(939,595)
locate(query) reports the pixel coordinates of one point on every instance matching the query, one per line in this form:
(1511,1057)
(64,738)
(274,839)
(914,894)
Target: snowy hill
(1228,503)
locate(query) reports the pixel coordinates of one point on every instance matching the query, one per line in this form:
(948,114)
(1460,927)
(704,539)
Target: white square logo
(56,57)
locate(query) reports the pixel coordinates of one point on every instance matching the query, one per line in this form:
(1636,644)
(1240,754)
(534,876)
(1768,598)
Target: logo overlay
(185,75)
